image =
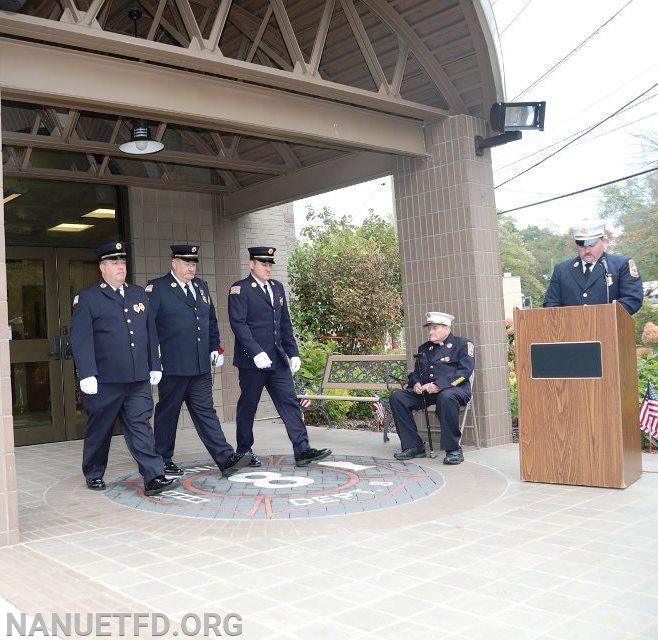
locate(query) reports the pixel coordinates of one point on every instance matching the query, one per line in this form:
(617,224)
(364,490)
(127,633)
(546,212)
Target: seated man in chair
(443,369)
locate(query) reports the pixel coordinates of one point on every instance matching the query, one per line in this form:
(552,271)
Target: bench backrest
(363,372)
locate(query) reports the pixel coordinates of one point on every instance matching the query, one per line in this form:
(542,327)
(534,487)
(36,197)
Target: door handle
(66,347)
(55,348)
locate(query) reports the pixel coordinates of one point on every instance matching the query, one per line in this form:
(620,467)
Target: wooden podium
(578,407)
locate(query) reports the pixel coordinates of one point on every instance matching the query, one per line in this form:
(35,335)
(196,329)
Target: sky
(611,69)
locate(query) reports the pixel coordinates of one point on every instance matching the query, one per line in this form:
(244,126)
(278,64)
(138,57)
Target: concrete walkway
(482,556)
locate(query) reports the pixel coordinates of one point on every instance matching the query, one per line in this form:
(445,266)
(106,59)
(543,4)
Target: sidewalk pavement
(484,556)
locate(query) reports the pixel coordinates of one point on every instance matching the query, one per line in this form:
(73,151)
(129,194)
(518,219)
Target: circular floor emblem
(280,490)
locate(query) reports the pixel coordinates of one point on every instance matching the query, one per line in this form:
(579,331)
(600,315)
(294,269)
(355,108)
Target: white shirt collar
(260,282)
(180,282)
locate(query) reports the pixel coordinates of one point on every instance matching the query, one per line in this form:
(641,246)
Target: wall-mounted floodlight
(510,118)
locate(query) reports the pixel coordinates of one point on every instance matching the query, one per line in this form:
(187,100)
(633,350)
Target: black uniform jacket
(113,337)
(259,326)
(569,287)
(449,364)
(187,328)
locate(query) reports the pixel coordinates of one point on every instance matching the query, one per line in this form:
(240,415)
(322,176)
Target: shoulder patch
(75,300)
(471,349)
(234,289)
(148,288)
(632,269)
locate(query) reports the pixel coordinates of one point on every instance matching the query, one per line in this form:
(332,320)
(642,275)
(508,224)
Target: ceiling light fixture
(100,213)
(69,227)
(140,141)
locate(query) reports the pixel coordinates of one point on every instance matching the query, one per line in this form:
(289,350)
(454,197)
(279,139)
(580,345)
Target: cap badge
(118,245)
(193,249)
(270,251)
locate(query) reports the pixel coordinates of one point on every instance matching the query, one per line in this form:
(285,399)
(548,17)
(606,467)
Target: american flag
(649,412)
(304,403)
(379,412)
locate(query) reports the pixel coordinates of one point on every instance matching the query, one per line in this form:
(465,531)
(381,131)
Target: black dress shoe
(254,462)
(158,485)
(411,452)
(311,455)
(454,457)
(96,484)
(172,470)
(235,463)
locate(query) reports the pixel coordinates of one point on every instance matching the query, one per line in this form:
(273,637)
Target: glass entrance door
(41,282)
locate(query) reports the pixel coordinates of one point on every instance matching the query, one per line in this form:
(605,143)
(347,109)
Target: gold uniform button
(198,339)
(129,321)
(132,332)
(132,344)
(125,310)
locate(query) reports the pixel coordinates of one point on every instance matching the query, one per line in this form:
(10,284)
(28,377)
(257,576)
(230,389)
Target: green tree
(518,259)
(633,206)
(346,281)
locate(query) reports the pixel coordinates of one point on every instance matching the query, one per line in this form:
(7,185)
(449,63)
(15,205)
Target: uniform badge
(449,345)
(142,307)
(201,292)
(75,300)
(173,285)
(632,269)
(196,284)
(254,285)
(136,308)
(234,289)
(575,264)
(471,349)
(608,279)
(431,347)
(149,288)
(103,285)
(281,300)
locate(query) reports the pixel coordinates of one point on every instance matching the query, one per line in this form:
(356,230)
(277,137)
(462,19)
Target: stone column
(8,490)
(449,245)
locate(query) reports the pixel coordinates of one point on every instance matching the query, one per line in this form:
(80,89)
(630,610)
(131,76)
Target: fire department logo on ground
(279,490)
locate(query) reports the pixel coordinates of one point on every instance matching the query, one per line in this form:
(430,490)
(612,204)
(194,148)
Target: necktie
(267,292)
(119,290)
(588,270)
(186,288)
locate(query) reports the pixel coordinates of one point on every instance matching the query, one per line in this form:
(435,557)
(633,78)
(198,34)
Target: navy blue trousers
(196,392)
(133,402)
(279,385)
(404,402)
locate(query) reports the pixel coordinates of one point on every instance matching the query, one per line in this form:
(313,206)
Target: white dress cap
(589,232)
(436,317)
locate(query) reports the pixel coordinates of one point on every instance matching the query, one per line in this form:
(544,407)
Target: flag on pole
(649,412)
(379,413)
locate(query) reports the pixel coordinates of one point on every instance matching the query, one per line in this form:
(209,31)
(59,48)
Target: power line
(565,58)
(515,18)
(584,133)
(575,193)
(571,135)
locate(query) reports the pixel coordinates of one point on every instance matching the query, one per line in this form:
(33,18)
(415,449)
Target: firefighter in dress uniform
(186,323)
(266,356)
(595,276)
(443,369)
(115,348)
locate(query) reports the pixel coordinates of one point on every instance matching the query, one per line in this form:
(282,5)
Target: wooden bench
(376,373)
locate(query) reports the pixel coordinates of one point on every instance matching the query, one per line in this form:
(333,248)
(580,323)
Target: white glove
(155,377)
(89,385)
(216,359)
(262,360)
(295,363)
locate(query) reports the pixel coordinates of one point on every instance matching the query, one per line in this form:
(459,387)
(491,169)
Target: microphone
(608,278)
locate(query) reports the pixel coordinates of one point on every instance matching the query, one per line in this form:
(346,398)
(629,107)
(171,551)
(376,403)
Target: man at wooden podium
(595,276)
